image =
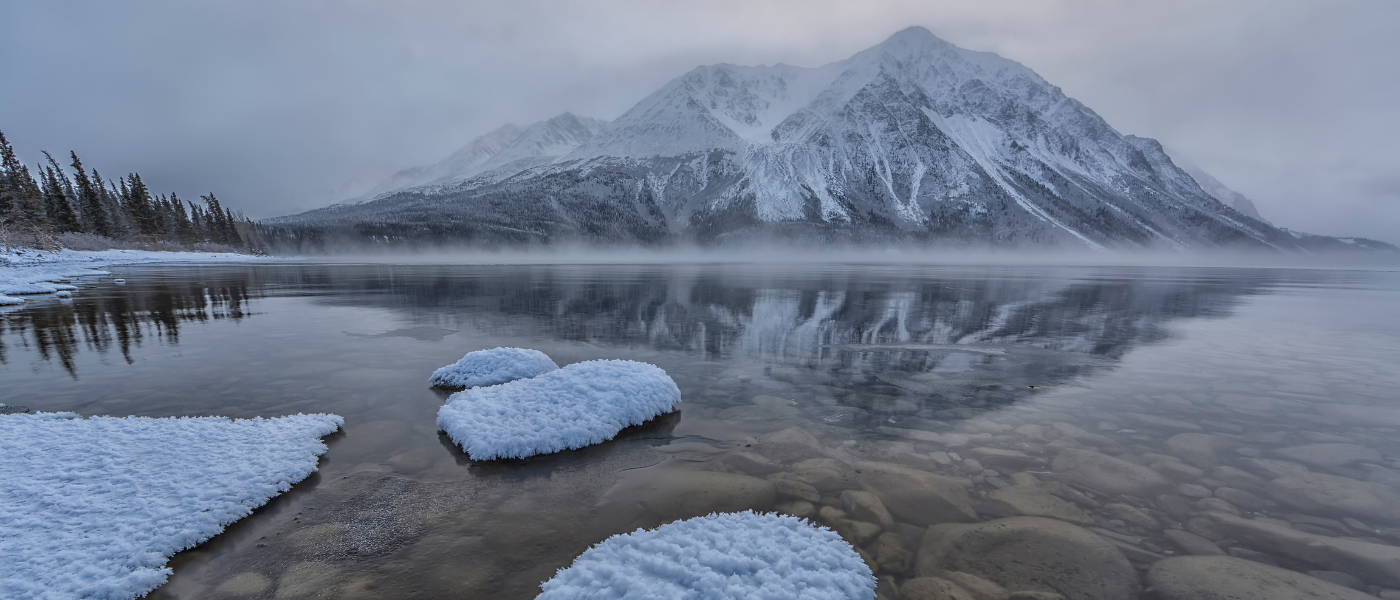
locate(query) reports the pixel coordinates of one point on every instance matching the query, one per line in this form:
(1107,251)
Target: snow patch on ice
(493,367)
(719,557)
(29,271)
(93,508)
(579,405)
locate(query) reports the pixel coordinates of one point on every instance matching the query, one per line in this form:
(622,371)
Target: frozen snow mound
(93,508)
(579,405)
(492,367)
(718,557)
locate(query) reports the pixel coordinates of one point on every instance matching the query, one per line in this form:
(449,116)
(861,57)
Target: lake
(1249,413)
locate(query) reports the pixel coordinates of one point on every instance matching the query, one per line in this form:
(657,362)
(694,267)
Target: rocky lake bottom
(976,433)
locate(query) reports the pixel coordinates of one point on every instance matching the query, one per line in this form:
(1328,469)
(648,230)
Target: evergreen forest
(75,207)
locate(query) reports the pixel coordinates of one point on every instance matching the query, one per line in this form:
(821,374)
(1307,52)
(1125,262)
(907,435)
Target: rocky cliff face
(912,140)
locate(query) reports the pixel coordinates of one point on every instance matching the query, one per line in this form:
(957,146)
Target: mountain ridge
(914,139)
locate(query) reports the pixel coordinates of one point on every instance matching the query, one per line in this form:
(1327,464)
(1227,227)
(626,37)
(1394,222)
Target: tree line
(49,203)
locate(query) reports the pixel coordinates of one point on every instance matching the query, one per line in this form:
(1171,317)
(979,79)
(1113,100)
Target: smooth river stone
(1110,475)
(1160,422)
(1365,416)
(1329,455)
(1228,578)
(789,445)
(1031,553)
(917,497)
(1200,449)
(1332,495)
(1031,501)
(1376,563)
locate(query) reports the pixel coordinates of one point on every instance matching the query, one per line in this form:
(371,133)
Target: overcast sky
(281,106)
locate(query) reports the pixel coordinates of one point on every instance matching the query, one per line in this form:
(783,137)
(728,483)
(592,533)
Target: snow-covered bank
(29,271)
(719,557)
(93,508)
(566,409)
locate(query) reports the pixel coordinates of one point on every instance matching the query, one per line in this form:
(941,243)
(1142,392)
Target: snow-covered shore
(94,508)
(30,271)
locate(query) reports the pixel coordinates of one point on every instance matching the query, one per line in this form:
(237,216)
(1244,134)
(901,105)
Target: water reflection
(982,378)
(123,316)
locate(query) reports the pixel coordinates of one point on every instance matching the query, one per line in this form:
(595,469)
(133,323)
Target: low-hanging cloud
(279,107)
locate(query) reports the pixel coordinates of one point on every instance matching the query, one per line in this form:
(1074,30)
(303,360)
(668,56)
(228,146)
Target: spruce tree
(110,206)
(181,233)
(231,234)
(218,230)
(89,202)
(140,206)
(56,204)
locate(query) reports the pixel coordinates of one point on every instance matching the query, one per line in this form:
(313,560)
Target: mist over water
(914,365)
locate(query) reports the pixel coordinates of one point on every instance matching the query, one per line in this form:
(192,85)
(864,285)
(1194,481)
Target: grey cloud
(282,106)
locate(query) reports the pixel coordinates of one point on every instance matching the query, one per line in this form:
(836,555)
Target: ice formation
(565,409)
(93,508)
(719,557)
(29,271)
(492,367)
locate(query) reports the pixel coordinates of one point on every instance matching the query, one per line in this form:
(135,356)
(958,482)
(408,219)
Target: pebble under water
(988,432)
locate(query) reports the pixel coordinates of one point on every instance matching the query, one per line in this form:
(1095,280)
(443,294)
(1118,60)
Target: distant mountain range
(913,140)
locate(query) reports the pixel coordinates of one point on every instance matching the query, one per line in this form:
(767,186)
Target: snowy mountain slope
(914,139)
(522,147)
(1220,192)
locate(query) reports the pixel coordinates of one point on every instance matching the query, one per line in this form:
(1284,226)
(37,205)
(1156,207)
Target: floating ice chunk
(579,405)
(10,300)
(492,367)
(63,294)
(719,557)
(93,508)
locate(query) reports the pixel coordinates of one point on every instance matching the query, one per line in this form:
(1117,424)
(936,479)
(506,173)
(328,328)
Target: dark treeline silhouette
(48,207)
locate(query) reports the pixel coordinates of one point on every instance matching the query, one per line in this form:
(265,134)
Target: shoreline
(27,271)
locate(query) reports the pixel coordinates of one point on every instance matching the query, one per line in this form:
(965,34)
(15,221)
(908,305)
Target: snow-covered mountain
(914,139)
(511,144)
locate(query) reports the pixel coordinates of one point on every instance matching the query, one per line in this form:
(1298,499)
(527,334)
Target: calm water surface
(1260,404)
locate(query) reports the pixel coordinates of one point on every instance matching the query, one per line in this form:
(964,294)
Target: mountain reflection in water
(983,376)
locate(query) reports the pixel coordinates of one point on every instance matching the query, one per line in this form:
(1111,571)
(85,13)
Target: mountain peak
(913,38)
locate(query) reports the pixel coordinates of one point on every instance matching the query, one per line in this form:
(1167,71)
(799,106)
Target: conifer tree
(110,206)
(218,230)
(57,204)
(140,206)
(89,202)
(231,234)
(181,232)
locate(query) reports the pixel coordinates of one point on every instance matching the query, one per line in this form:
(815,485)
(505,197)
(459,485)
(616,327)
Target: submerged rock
(656,498)
(917,497)
(865,506)
(1191,543)
(1332,495)
(1110,475)
(1031,501)
(1031,553)
(1376,563)
(933,588)
(1329,455)
(1199,449)
(1228,578)
(789,445)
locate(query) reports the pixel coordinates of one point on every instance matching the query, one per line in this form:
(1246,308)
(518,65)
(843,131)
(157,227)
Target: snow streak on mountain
(912,140)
